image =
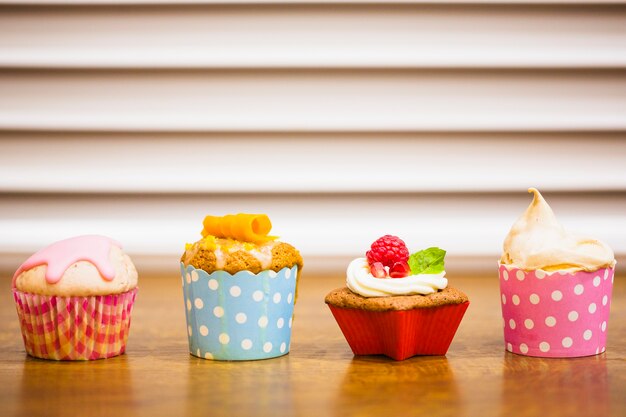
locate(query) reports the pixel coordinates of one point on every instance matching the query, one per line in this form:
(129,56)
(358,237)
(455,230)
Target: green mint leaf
(427,261)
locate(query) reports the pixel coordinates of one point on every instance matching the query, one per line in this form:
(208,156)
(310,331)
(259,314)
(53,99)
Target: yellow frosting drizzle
(243,227)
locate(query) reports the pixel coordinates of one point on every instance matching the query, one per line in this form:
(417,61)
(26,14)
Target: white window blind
(341,120)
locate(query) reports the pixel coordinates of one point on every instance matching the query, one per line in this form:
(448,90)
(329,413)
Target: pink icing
(61,255)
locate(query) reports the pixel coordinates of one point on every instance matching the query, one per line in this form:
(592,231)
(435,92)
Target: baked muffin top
(344,298)
(79,266)
(240,242)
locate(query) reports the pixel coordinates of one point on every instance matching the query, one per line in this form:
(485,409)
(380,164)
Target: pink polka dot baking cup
(555,315)
(74,328)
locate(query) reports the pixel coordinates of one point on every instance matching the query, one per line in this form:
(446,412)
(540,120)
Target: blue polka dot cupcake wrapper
(244,316)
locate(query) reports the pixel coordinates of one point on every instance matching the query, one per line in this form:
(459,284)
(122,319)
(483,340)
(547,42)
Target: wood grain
(320,377)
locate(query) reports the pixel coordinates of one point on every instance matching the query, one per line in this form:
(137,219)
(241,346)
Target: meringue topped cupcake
(555,287)
(398,305)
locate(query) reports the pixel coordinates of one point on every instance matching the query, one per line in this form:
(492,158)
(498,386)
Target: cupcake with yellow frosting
(396,304)
(239,287)
(555,287)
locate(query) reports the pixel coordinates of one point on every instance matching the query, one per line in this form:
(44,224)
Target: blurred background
(343,121)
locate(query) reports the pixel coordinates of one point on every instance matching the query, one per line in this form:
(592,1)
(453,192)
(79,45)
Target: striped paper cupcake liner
(74,328)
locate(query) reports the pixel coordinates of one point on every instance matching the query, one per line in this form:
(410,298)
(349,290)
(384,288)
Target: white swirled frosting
(361,281)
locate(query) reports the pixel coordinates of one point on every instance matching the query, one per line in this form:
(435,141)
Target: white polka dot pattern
(567,342)
(239,317)
(554,314)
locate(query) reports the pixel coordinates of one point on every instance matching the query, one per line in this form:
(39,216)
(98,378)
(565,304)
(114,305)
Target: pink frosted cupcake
(555,287)
(74,299)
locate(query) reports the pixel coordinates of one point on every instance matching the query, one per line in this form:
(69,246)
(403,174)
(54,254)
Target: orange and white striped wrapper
(74,328)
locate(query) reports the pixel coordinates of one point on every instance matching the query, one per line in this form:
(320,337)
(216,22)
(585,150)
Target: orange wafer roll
(243,227)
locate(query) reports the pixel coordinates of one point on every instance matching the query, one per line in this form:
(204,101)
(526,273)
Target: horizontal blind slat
(320,163)
(348,36)
(313,101)
(338,225)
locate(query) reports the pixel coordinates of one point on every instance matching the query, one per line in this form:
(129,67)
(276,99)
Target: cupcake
(74,299)
(239,288)
(398,305)
(555,287)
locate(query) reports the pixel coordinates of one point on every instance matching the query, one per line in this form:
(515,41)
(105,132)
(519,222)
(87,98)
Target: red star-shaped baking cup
(399,334)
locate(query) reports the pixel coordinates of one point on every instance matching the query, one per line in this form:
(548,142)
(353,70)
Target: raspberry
(388,250)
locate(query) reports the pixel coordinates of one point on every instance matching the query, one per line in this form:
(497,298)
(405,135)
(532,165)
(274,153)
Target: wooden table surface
(320,377)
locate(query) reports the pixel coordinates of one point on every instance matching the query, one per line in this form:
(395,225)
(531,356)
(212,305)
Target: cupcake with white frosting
(555,287)
(396,304)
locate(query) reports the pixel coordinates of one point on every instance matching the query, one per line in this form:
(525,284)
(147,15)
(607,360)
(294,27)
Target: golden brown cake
(344,298)
(222,254)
